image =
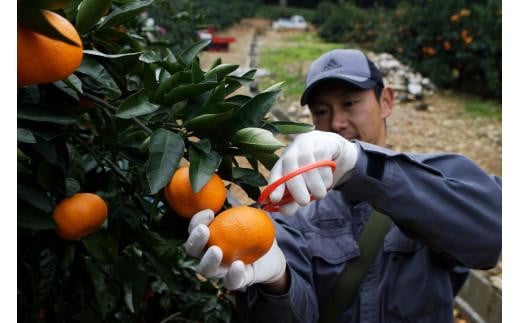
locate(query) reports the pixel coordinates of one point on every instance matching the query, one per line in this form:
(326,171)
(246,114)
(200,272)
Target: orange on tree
(243,233)
(185,202)
(79,215)
(42,59)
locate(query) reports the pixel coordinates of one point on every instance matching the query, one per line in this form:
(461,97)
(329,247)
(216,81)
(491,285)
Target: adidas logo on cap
(332,64)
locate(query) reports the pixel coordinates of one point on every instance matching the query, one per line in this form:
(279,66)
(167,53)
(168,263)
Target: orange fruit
(243,233)
(185,202)
(42,59)
(79,215)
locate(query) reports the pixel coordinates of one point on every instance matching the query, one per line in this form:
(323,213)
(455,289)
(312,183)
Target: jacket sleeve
(443,200)
(299,304)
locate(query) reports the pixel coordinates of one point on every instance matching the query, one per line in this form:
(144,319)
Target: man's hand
(306,149)
(270,268)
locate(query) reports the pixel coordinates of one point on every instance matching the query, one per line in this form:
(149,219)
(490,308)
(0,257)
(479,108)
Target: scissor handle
(269,206)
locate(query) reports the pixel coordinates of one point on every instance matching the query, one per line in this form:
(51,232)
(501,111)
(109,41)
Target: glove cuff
(346,163)
(283,266)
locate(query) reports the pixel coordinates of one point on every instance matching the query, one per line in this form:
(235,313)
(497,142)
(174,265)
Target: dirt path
(446,127)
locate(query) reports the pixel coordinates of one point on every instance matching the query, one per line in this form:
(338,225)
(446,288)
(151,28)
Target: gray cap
(349,65)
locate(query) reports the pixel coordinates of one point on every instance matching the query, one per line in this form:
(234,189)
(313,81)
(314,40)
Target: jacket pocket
(333,245)
(330,249)
(415,285)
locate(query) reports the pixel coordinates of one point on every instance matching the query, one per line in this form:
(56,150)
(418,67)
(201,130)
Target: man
(446,214)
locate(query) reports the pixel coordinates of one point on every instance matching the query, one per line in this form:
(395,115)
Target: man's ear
(386,101)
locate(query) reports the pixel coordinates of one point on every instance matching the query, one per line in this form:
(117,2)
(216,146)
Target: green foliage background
(455,43)
(119,127)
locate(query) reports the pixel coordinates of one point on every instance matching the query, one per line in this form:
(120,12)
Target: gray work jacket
(446,215)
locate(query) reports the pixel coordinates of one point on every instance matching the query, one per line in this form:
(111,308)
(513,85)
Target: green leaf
(89,13)
(166,86)
(182,92)
(202,167)
(124,13)
(164,271)
(46,131)
(34,222)
(274,87)
(127,271)
(232,86)
(47,149)
(36,112)
(239,99)
(134,280)
(49,176)
(72,186)
(111,56)
(35,196)
(221,70)
(104,298)
(137,104)
(48,264)
(240,79)
(170,57)
(248,176)
(166,150)
(98,74)
(256,139)
(67,89)
(34,20)
(30,93)
(197,75)
(33,219)
(150,56)
(75,83)
(216,62)
(165,250)
(267,159)
(68,256)
(191,52)
(205,121)
(203,145)
(71,86)
(102,246)
(252,112)
(24,135)
(20,156)
(288,127)
(249,74)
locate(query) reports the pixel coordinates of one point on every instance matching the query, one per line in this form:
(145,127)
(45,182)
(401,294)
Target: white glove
(306,149)
(269,268)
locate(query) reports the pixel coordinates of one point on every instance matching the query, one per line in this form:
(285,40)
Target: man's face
(351,113)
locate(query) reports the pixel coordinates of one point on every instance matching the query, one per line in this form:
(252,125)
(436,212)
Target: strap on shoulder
(355,271)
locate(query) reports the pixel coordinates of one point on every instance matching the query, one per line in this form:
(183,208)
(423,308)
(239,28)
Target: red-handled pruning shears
(264,201)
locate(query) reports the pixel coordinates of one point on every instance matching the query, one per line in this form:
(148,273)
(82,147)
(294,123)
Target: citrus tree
(105,139)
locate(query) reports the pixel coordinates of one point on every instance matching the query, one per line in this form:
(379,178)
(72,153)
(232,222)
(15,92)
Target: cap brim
(361,84)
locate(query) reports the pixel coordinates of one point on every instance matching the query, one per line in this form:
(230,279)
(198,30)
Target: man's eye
(319,112)
(349,103)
